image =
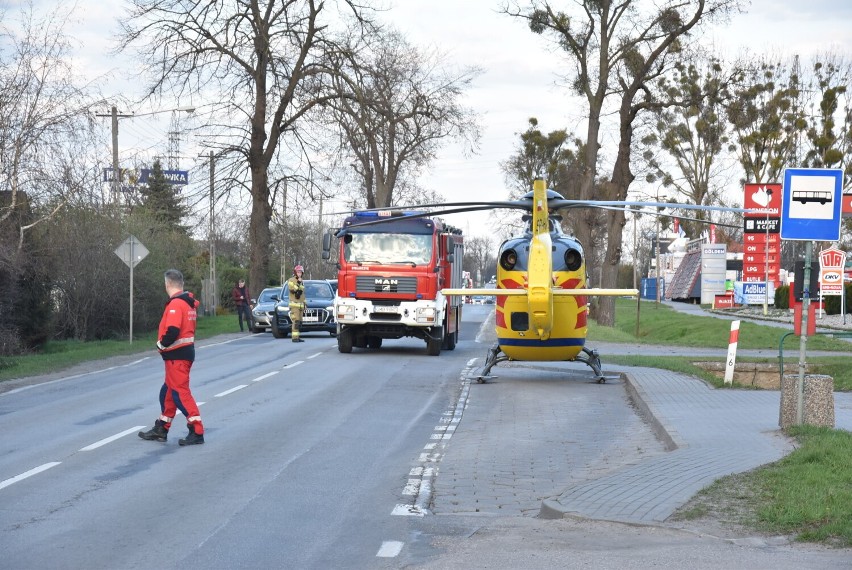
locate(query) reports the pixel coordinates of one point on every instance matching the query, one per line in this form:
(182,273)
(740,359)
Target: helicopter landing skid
(593,361)
(495,356)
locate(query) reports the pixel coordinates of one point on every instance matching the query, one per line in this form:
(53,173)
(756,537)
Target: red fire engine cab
(389,280)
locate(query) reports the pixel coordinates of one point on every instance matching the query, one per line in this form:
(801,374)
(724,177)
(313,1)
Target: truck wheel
(433,344)
(374,341)
(450,339)
(344,341)
(276,332)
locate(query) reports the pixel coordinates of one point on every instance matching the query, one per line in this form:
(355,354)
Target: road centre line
(298,362)
(390,549)
(29,473)
(315,355)
(111,438)
(259,378)
(231,391)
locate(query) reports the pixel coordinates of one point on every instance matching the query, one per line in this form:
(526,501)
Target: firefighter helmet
(298,268)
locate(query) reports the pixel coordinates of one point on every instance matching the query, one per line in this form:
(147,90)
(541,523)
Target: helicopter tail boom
(556,291)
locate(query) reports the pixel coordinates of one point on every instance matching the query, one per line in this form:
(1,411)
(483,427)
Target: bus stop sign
(811,204)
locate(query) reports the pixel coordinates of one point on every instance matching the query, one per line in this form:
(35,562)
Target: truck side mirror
(326,246)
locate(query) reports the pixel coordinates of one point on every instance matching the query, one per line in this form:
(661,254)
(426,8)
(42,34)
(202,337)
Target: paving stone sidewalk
(715,432)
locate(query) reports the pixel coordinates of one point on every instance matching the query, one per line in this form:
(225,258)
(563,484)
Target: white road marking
(29,473)
(298,362)
(411,488)
(390,549)
(259,378)
(407,511)
(64,378)
(419,484)
(231,391)
(315,355)
(111,438)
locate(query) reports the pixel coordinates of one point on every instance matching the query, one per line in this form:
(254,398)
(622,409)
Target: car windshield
(314,290)
(388,248)
(267,294)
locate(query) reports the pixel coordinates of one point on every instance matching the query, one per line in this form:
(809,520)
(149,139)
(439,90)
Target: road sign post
(131,251)
(810,210)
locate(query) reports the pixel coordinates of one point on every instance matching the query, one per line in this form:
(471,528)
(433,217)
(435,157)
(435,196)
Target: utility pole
(284,235)
(213,236)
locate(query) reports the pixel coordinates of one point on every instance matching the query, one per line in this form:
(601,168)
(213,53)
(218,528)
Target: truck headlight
(345,312)
(426,315)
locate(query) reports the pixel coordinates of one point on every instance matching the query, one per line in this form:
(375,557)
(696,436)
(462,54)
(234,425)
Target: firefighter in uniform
(176,343)
(297,301)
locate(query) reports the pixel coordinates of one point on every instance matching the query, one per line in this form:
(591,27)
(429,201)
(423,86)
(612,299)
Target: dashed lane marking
(298,362)
(29,473)
(419,483)
(390,549)
(267,375)
(231,391)
(111,438)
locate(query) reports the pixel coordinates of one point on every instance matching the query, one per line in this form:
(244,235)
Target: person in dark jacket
(176,343)
(242,301)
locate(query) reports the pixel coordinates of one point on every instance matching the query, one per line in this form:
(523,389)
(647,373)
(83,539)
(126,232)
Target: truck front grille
(367,284)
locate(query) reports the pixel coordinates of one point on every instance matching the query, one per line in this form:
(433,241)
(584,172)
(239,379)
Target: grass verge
(807,495)
(60,355)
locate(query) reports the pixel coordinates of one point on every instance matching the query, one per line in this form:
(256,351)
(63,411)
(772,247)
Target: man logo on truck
(386,285)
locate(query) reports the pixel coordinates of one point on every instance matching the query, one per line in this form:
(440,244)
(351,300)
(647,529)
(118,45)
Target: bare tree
(396,105)
(479,258)
(43,117)
(617,48)
(266,66)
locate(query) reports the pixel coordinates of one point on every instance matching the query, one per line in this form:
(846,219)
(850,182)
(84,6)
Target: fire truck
(392,266)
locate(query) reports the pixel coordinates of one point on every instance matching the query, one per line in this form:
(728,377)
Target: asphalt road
(315,459)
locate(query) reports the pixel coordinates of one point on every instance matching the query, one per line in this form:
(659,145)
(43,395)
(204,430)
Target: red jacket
(237,292)
(176,336)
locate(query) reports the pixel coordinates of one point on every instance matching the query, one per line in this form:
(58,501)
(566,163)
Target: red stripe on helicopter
(581,302)
(500,317)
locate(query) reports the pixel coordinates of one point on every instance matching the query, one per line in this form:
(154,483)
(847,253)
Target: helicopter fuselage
(561,333)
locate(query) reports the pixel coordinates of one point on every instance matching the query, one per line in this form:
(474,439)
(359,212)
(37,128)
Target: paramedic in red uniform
(176,343)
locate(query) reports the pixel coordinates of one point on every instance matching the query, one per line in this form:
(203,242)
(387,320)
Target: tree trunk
(622,177)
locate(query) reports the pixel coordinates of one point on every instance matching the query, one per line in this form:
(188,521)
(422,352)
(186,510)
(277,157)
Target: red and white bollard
(732,352)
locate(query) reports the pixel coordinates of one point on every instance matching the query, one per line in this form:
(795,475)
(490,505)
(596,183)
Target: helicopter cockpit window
(387,248)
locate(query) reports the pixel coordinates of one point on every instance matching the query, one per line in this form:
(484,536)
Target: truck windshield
(387,248)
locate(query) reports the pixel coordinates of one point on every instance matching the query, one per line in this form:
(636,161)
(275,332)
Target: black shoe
(157,433)
(192,439)
(298,340)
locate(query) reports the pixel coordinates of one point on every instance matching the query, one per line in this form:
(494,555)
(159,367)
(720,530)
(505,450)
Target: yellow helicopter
(541,308)
(541,294)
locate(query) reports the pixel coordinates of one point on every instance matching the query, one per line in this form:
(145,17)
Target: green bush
(782,297)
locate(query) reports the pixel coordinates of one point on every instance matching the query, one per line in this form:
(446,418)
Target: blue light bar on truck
(388,213)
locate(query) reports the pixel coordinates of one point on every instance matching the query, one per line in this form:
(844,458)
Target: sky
(520,76)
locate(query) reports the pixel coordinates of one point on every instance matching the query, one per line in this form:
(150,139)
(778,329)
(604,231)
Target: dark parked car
(319,310)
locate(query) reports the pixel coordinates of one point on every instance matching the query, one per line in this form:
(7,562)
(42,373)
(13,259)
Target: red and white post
(732,352)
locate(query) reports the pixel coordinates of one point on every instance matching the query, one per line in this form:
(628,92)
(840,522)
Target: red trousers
(175,394)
